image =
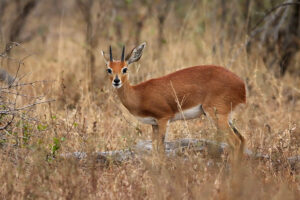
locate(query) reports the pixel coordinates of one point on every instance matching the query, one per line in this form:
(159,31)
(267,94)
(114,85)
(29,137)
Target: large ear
(135,54)
(105,59)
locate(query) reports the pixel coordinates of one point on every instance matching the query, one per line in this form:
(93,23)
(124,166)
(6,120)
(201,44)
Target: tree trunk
(3,4)
(290,46)
(18,24)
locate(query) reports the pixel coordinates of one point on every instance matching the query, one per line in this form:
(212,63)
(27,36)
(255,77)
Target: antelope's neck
(129,98)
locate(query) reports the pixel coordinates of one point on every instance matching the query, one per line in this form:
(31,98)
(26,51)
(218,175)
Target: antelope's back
(212,86)
(224,87)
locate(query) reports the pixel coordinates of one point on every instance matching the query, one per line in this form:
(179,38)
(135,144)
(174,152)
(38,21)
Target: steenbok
(181,95)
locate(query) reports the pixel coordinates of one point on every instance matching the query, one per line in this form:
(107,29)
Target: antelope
(199,90)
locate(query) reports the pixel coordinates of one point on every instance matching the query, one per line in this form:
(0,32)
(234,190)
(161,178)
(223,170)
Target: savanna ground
(89,119)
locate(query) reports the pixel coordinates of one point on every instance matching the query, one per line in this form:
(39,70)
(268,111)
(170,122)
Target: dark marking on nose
(117,80)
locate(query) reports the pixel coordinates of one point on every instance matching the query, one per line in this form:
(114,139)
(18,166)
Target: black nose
(117,80)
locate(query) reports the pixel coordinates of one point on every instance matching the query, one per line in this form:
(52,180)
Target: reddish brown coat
(211,86)
(158,101)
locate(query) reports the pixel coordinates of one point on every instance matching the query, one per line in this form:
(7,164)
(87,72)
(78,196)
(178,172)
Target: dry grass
(96,121)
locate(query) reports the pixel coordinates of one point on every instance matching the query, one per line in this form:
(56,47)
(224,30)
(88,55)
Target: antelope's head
(118,69)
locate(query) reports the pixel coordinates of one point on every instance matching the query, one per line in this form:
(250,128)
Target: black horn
(110,54)
(123,53)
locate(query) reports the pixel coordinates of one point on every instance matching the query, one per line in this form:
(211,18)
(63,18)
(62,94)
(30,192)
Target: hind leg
(224,130)
(215,119)
(234,138)
(239,135)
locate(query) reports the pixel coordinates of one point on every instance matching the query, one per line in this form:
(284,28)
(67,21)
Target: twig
(25,84)
(180,107)
(34,104)
(8,123)
(8,48)
(22,95)
(25,107)
(19,66)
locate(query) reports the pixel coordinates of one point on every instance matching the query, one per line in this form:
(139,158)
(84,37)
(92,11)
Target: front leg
(158,135)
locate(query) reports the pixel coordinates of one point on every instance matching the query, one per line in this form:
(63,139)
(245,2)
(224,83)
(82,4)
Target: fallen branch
(145,147)
(174,148)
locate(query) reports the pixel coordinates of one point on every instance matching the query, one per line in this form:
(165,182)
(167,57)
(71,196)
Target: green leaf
(128,2)
(41,127)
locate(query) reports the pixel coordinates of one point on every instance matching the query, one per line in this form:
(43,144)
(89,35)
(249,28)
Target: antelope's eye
(124,70)
(109,70)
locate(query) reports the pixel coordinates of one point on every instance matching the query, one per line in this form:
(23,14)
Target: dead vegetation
(93,120)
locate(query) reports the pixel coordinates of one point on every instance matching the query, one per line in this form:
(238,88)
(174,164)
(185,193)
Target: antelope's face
(118,69)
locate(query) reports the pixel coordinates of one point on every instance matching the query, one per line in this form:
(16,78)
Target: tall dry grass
(81,120)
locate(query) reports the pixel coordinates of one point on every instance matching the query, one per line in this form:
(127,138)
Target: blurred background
(52,48)
(220,28)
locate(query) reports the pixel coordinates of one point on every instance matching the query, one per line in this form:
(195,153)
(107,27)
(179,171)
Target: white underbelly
(190,113)
(147,120)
